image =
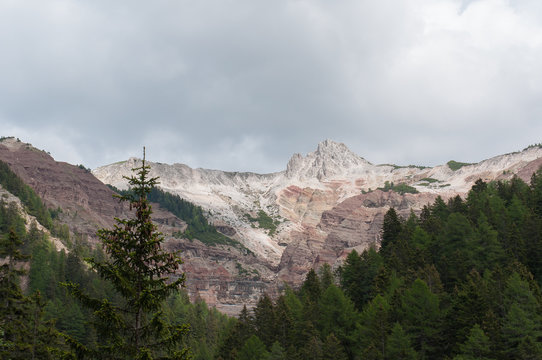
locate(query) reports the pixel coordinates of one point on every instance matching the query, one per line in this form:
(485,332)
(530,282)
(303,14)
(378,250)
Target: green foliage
(135,327)
(83,167)
(533,146)
(401,188)
(398,345)
(33,203)
(476,347)
(197,225)
(253,349)
(264,222)
(25,333)
(430,180)
(455,165)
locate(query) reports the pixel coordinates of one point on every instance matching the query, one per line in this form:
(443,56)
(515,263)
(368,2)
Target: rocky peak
(330,159)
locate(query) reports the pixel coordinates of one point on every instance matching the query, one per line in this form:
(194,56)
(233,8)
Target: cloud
(241,85)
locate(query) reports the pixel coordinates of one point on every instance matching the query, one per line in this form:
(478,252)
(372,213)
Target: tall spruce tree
(138,270)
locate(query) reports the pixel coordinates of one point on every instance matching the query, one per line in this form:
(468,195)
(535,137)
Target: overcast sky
(244,84)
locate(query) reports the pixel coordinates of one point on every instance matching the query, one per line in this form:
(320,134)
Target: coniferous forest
(459,280)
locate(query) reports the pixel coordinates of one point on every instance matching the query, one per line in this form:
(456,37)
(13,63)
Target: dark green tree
(265,320)
(398,345)
(253,349)
(374,326)
(25,334)
(476,347)
(332,349)
(421,317)
(391,229)
(139,271)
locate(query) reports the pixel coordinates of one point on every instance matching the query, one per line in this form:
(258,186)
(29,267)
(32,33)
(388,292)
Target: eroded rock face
(354,223)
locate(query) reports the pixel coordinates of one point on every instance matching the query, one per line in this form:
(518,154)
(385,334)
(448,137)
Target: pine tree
(374,325)
(391,228)
(265,320)
(276,352)
(24,332)
(138,269)
(398,345)
(476,347)
(253,349)
(332,349)
(337,315)
(421,317)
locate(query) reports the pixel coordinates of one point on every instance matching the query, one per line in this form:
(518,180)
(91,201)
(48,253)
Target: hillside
(225,276)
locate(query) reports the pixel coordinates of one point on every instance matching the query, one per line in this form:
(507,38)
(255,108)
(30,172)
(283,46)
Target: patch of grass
(430,180)
(401,188)
(395,167)
(264,222)
(456,165)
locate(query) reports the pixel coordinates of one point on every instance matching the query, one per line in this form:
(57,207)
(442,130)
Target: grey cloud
(241,85)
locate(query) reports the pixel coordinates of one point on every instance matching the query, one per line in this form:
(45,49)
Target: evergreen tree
(243,329)
(374,325)
(265,320)
(25,334)
(476,347)
(338,315)
(276,352)
(358,273)
(398,345)
(253,349)
(391,229)
(326,276)
(421,316)
(138,269)
(332,349)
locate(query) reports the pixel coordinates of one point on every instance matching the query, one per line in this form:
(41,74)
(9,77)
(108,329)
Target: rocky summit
(323,205)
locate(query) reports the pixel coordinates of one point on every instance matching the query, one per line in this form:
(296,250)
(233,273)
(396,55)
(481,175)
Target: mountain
(323,205)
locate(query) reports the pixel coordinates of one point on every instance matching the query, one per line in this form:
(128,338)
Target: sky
(241,85)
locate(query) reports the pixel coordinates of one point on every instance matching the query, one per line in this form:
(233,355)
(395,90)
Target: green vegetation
(460,281)
(139,271)
(83,167)
(198,226)
(401,188)
(35,323)
(455,165)
(539,145)
(264,222)
(395,167)
(34,205)
(430,180)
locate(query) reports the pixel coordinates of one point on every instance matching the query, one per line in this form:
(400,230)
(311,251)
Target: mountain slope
(223,275)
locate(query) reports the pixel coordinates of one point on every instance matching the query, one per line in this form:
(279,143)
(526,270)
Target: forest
(459,280)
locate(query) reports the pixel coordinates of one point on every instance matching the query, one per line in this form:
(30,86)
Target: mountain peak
(330,158)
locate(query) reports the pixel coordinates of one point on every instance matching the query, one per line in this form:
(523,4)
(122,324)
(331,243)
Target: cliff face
(320,208)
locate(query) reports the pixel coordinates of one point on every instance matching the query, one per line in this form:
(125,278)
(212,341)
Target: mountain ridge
(323,205)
